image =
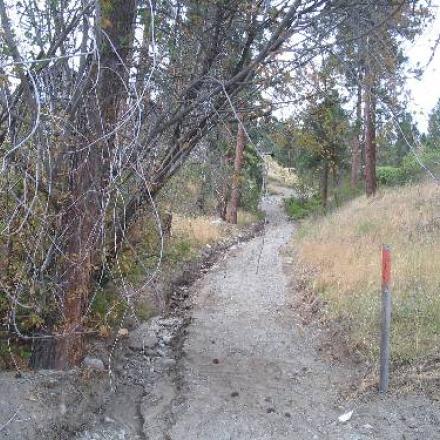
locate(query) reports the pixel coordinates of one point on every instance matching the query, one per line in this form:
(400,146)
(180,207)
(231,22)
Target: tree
(102,104)
(369,47)
(323,141)
(433,135)
(232,210)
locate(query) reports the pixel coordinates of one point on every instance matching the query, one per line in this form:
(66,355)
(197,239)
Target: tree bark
(238,164)
(370,138)
(89,171)
(324,183)
(356,142)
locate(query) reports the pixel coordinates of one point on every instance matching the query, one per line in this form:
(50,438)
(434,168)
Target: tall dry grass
(344,249)
(202,230)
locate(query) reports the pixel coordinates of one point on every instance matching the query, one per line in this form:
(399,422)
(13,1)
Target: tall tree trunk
(238,164)
(324,183)
(222,200)
(356,141)
(89,171)
(370,137)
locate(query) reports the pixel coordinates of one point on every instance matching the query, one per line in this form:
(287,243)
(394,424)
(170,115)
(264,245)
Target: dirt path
(232,362)
(248,371)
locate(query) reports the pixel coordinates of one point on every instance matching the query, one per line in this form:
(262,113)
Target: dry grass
(245,218)
(344,251)
(204,230)
(279,174)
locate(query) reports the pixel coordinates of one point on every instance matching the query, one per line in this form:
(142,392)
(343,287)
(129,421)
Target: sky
(425,92)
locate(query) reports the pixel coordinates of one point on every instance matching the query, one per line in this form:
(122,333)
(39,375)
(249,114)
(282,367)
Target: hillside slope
(340,254)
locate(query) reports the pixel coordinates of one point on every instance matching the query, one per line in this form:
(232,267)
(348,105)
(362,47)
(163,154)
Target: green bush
(411,169)
(389,176)
(299,208)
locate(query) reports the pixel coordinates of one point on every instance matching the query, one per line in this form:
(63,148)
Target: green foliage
(343,193)
(308,204)
(181,250)
(394,140)
(433,137)
(144,311)
(107,307)
(410,169)
(324,134)
(250,195)
(389,175)
(196,188)
(300,208)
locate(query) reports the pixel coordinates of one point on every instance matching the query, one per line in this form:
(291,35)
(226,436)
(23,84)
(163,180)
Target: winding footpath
(249,371)
(244,368)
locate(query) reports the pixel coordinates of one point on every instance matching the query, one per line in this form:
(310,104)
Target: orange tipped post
(385,320)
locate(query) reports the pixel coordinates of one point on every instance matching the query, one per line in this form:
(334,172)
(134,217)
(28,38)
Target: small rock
(172,322)
(345,417)
(142,338)
(167,339)
(93,363)
(161,352)
(167,362)
(123,333)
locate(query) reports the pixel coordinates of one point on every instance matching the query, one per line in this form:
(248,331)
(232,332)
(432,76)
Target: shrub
(388,175)
(299,208)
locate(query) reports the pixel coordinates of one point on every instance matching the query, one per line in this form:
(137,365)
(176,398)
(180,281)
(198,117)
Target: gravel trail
(248,370)
(230,361)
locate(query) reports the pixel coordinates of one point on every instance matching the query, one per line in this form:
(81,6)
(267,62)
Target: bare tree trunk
(238,164)
(356,142)
(324,183)
(222,200)
(89,171)
(355,161)
(370,138)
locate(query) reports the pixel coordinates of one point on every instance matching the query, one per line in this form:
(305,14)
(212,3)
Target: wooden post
(385,320)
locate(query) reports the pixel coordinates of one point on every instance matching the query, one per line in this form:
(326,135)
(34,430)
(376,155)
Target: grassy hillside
(342,252)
